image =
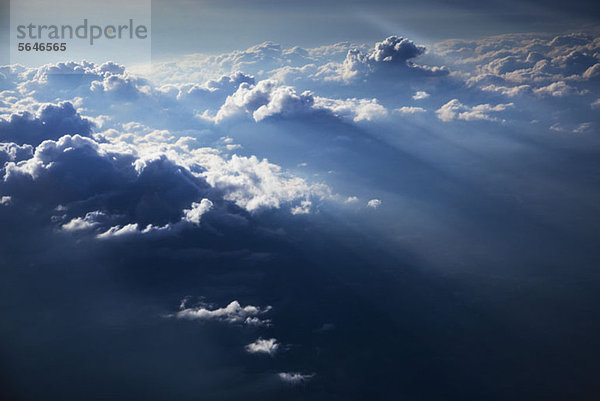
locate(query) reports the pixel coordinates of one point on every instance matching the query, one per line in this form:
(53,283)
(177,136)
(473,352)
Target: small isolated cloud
(5,201)
(303,208)
(410,110)
(351,199)
(194,214)
(583,128)
(420,95)
(454,109)
(595,104)
(374,203)
(294,377)
(263,346)
(232,313)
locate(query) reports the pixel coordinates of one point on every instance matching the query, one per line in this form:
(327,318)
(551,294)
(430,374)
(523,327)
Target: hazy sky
(214,26)
(201,26)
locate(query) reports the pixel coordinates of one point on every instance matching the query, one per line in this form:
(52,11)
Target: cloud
(10,151)
(269,99)
(266,99)
(557,89)
(51,122)
(89,221)
(259,60)
(258,184)
(118,231)
(263,346)
(510,91)
(454,109)
(391,56)
(374,203)
(295,377)
(533,61)
(303,208)
(156,186)
(593,72)
(410,110)
(420,95)
(353,109)
(583,128)
(232,313)
(194,214)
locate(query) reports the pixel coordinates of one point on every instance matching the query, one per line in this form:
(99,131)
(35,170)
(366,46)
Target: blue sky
(325,201)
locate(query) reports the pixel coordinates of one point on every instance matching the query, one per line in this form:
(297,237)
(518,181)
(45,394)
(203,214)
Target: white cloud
(394,54)
(592,72)
(294,377)
(257,184)
(454,109)
(410,110)
(583,128)
(263,346)
(194,214)
(515,64)
(5,200)
(119,231)
(510,91)
(420,95)
(269,99)
(89,221)
(558,89)
(374,203)
(232,313)
(303,208)
(265,99)
(354,109)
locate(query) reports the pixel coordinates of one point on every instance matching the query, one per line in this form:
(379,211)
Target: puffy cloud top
(51,122)
(396,49)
